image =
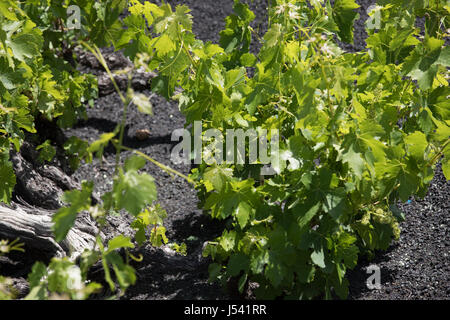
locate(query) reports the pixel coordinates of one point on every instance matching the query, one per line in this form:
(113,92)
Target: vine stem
(96,52)
(186,50)
(122,130)
(125,100)
(439,154)
(169,170)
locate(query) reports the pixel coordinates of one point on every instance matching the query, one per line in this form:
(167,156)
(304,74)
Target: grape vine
(358,131)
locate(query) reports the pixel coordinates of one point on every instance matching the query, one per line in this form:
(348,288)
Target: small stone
(142,134)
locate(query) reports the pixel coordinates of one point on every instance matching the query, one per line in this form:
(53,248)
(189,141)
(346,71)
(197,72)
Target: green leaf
(125,274)
(275,271)
(273,35)
(237,263)
(318,258)
(164,45)
(37,293)
(400,38)
(38,271)
(183,17)
(134,163)
(64,218)
(143,103)
(24,46)
(119,242)
(65,277)
(77,151)
(133,191)
(242,281)
(344,15)
(47,151)
(306,273)
(258,260)
(87,259)
(248,60)
(397,212)
(161,85)
(234,77)
(341,288)
(7,9)
(446,167)
(424,78)
(156,215)
(354,160)
(417,144)
(158,236)
(38,290)
(24,120)
(443,130)
(214,270)
(100,144)
(305,211)
(218,177)
(140,231)
(425,121)
(8,181)
(228,240)
(408,185)
(334,203)
(243,212)
(422,63)
(11,79)
(347,250)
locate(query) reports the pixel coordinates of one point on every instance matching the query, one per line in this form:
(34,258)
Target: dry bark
(37,196)
(33,227)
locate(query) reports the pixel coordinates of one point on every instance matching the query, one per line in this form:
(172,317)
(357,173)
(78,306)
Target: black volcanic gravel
(415,267)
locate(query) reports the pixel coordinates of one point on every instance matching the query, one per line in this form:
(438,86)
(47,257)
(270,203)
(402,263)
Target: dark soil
(415,267)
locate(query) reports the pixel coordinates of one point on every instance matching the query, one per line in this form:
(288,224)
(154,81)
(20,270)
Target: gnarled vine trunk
(37,196)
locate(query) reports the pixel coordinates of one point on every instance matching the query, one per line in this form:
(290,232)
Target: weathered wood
(140,80)
(37,196)
(34,227)
(35,188)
